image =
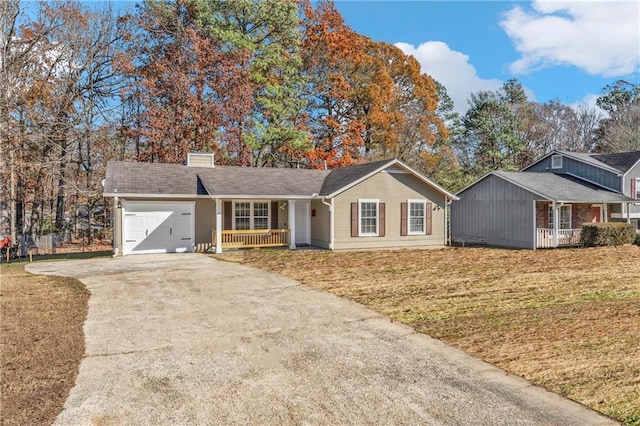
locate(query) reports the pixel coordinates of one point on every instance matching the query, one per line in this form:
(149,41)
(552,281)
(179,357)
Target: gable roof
(561,188)
(622,161)
(578,156)
(175,180)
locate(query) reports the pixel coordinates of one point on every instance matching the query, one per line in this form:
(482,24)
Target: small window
(637,190)
(565,217)
(368,218)
(417,217)
(556,161)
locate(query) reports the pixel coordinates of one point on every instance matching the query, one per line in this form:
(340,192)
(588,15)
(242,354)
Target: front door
(303,222)
(596,214)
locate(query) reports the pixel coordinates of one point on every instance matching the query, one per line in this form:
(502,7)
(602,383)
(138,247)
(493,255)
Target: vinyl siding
(633,173)
(391,189)
(320,224)
(580,169)
(494,212)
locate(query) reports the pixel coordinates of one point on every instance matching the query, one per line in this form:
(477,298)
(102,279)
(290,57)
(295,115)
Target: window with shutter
(368,220)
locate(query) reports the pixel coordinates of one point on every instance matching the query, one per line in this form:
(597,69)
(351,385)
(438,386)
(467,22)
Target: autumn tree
(187,90)
(620,130)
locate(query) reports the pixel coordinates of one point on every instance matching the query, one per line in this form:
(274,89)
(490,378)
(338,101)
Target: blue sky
(565,50)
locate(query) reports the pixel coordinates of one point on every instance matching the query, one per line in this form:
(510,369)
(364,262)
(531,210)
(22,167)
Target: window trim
(361,217)
(551,215)
(636,196)
(553,163)
(424,216)
(251,214)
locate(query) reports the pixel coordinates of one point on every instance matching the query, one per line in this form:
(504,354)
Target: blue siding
(585,171)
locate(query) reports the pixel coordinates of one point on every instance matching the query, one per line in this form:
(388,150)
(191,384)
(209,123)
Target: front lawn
(565,319)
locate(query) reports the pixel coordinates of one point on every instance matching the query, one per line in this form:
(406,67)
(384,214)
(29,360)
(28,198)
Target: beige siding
(320,224)
(391,189)
(205,222)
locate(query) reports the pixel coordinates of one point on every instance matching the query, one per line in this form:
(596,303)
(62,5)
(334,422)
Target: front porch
(560,224)
(254,238)
(254,223)
(566,238)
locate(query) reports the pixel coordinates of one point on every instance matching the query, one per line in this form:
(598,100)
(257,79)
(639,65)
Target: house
(545,204)
(200,206)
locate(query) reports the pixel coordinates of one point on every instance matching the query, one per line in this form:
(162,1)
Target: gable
(570,166)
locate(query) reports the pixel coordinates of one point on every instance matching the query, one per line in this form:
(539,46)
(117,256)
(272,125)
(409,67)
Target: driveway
(186,339)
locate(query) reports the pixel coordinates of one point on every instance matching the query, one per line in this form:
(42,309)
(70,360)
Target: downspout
(331,221)
(447,221)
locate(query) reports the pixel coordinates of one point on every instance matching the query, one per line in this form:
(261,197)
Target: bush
(607,234)
(637,241)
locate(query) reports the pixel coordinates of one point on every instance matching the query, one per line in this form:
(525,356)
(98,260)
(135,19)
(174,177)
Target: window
(556,161)
(636,189)
(243,215)
(261,215)
(417,217)
(565,217)
(368,218)
(251,215)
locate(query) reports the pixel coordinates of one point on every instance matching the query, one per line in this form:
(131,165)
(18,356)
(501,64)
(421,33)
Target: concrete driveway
(185,339)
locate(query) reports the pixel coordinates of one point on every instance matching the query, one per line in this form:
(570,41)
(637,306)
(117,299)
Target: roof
(591,159)
(175,180)
(561,188)
(622,161)
(343,176)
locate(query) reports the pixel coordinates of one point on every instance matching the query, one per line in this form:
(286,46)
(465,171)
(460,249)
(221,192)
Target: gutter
(331,217)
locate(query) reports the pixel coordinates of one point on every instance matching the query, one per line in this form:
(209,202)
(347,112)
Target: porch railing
(566,237)
(253,238)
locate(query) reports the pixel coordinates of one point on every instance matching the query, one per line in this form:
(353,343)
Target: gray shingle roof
(343,176)
(555,187)
(158,179)
(622,161)
(152,178)
(175,179)
(261,181)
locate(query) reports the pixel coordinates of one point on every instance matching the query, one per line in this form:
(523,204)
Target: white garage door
(158,227)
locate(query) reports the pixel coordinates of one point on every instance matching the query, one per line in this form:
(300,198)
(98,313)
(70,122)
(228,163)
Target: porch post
(605,212)
(218,202)
(556,219)
(292,224)
(628,212)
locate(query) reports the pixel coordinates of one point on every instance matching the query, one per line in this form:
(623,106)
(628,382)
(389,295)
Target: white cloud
(600,37)
(450,68)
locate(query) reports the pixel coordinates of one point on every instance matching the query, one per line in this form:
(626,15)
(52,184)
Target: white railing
(566,237)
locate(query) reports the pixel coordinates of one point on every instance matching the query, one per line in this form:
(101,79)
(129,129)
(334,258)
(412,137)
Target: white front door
(303,222)
(157,226)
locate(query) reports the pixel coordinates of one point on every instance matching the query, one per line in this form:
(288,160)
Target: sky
(562,50)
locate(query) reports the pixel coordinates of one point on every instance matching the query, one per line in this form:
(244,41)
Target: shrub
(637,241)
(607,234)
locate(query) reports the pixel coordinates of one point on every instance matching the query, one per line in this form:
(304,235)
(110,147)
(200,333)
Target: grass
(567,320)
(42,341)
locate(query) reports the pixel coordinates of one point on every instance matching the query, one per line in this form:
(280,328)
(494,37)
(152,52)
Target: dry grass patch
(42,343)
(568,319)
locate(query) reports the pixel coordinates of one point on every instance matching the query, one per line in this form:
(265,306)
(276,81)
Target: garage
(158,226)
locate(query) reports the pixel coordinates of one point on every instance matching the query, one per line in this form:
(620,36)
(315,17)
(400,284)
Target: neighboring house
(170,207)
(545,204)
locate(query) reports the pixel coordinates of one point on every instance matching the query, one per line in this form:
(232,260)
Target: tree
(186,91)
(267,31)
(620,130)
(493,128)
